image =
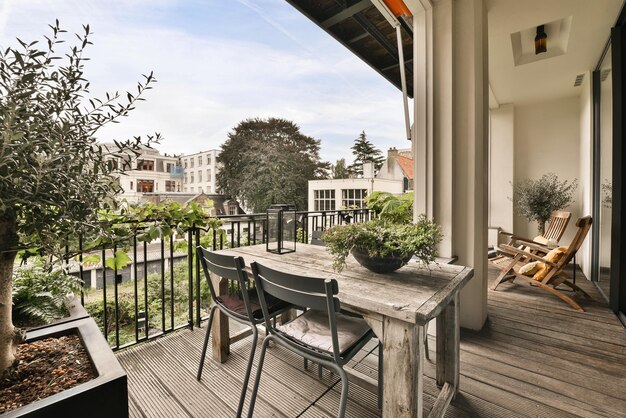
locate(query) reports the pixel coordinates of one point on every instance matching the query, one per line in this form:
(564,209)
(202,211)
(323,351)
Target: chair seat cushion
(235,303)
(312,328)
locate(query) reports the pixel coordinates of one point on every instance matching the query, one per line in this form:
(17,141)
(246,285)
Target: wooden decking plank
(564,369)
(194,396)
(603,318)
(224,382)
(133,410)
(154,398)
(561,339)
(545,389)
(589,331)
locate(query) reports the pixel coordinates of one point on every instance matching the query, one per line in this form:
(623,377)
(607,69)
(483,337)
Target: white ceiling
(554,77)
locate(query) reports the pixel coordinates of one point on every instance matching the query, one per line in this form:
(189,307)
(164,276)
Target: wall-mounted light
(540,40)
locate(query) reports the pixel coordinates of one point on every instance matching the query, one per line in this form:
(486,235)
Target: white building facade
(148,172)
(199,172)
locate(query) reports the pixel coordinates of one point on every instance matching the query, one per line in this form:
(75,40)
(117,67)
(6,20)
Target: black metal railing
(161,288)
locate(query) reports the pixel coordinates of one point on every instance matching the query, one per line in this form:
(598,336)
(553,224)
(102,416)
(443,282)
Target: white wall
(547,139)
(501,166)
(583,257)
(369,184)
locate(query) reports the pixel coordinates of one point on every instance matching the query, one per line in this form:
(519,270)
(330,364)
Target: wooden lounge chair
(554,232)
(554,274)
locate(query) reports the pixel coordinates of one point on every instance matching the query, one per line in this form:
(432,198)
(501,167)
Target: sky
(219,62)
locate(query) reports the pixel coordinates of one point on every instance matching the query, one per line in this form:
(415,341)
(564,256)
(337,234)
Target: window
(232,209)
(353,197)
(208,175)
(200,190)
(191,189)
(208,189)
(185,163)
(145,186)
(185,180)
(145,165)
(170,168)
(191,162)
(199,160)
(208,160)
(324,199)
(131,185)
(170,186)
(199,176)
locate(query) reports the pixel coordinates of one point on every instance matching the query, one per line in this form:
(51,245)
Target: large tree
(266,161)
(340,170)
(364,151)
(54,177)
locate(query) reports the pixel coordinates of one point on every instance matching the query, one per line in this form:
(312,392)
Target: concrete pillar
(460,142)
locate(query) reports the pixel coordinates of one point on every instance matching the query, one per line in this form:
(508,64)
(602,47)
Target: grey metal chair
(321,334)
(243,307)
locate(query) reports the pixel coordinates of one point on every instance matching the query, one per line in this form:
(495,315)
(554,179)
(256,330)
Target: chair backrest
(227,267)
(583,224)
(302,291)
(557,224)
(316,238)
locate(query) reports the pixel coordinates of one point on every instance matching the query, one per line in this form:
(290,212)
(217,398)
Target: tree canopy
(340,170)
(364,151)
(267,161)
(54,177)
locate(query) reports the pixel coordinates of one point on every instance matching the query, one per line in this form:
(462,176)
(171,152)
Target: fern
(40,292)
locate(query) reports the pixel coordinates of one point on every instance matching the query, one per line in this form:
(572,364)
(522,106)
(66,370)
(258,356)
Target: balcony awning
(362,28)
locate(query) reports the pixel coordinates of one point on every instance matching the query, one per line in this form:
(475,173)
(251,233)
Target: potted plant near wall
(388,242)
(536,199)
(54,179)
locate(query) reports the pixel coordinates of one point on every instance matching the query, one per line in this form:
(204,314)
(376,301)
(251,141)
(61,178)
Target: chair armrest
(533,246)
(532,256)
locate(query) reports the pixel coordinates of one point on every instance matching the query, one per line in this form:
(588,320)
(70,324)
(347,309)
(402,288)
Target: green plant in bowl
(387,245)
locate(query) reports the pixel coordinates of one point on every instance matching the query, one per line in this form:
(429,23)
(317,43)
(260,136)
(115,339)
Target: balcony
(534,357)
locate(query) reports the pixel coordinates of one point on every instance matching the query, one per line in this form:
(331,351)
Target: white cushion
(313,329)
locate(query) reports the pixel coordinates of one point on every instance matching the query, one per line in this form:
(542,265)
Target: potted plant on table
(385,244)
(54,179)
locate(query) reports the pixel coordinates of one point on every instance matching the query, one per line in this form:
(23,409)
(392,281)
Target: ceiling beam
(346,13)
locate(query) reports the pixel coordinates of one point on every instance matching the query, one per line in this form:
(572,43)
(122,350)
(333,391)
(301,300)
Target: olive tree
(54,176)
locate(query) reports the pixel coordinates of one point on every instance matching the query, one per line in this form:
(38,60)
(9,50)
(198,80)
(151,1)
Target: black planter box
(104,396)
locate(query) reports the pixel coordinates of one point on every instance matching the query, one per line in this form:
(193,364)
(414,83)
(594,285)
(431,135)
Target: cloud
(240,60)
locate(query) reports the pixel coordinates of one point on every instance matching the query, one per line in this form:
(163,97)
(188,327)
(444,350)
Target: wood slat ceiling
(361,28)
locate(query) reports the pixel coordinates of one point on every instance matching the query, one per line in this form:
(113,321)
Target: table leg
(220,330)
(403,364)
(448,345)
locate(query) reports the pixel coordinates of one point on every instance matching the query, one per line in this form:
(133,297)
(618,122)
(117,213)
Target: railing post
(198,318)
(190,273)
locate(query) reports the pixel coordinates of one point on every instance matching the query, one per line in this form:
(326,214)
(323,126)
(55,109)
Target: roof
(406,164)
(361,28)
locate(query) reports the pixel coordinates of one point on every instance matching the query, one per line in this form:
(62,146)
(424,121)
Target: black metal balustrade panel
(162,289)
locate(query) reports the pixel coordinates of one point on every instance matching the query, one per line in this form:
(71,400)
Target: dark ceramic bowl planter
(379,264)
(102,397)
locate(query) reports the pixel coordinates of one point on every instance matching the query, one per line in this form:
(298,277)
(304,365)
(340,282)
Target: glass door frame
(617,43)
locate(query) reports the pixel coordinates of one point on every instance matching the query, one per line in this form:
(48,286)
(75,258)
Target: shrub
(40,292)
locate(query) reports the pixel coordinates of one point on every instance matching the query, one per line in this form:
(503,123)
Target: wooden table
(396,305)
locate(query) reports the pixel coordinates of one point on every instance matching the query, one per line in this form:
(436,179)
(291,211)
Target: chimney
(368,170)
(392,154)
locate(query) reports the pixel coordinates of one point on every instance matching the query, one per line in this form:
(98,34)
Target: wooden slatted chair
(554,276)
(557,224)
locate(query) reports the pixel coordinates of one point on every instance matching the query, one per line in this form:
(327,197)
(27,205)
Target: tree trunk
(9,335)
(541,227)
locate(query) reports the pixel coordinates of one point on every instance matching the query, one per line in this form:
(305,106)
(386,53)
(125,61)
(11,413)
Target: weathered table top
(414,293)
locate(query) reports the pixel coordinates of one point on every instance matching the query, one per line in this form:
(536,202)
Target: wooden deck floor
(535,357)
